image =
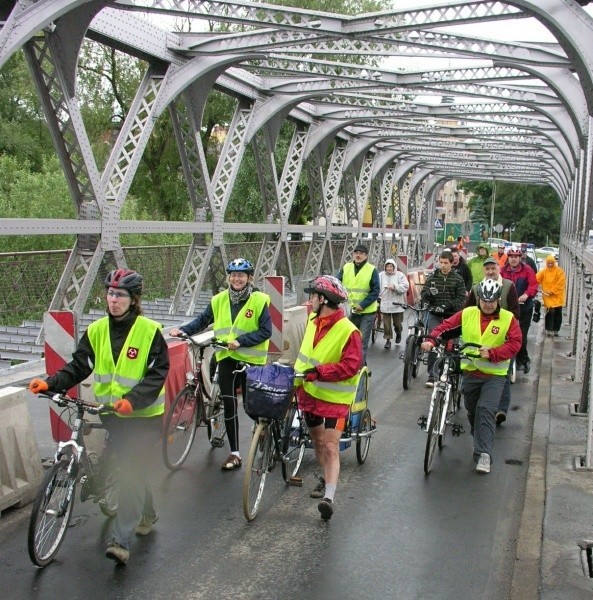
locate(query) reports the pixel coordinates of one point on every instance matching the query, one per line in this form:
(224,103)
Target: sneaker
(117,553)
(319,490)
(430,382)
(500,418)
(387,344)
(145,525)
(483,465)
(326,508)
(398,338)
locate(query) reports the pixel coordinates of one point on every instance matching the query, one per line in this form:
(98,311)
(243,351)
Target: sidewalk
(558,509)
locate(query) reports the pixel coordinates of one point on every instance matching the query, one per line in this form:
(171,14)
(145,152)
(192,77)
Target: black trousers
(553,319)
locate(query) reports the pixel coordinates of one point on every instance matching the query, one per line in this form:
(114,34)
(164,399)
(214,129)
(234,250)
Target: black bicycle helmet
(125,279)
(489,290)
(240,265)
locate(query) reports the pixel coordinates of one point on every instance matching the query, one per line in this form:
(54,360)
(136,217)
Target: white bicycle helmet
(489,290)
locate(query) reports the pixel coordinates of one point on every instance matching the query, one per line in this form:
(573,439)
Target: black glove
(311,374)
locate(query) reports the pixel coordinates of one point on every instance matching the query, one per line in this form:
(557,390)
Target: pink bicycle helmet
(331,287)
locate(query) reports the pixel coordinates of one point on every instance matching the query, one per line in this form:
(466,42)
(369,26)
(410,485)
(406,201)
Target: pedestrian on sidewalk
(130,361)
(552,280)
(497,332)
(394,287)
(330,357)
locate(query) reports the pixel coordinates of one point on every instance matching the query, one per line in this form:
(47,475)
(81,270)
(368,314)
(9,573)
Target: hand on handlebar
(123,407)
(311,374)
(37,386)
(175,332)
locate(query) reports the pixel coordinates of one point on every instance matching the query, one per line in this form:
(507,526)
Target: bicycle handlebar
(64,400)
(440,344)
(215,343)
(417,309)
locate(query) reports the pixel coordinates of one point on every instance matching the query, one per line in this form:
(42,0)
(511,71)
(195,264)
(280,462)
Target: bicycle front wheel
(215,418)
(410,355)
(181,423)
(256,469)
(294,442)
(433,431)
(363,439)
(51,513)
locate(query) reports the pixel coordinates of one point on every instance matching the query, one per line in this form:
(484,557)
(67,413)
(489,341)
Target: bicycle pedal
(457,429)
(217,443)
(422,420)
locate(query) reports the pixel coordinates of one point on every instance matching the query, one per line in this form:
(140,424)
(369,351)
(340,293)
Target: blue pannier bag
(269,390)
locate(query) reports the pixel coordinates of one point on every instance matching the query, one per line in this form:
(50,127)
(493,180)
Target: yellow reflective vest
(328,350)
(494,336)
(246,321)
(113,381)
(358,285)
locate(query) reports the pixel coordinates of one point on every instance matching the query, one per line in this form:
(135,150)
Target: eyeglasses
(114,294)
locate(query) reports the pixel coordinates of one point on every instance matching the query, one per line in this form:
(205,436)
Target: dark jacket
(450,293)
(465,272)
(83,360)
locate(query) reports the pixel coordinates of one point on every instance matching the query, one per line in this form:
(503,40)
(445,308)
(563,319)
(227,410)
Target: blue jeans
(481,398)
(364,322)
(505,397)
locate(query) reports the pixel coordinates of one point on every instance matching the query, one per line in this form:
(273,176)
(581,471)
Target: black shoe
(526,366)
(319,490)
(387,344)
(326,508)
(398,338)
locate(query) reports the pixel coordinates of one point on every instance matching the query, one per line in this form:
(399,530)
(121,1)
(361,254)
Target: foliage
(533,210)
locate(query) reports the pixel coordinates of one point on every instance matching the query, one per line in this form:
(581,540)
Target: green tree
(534,211)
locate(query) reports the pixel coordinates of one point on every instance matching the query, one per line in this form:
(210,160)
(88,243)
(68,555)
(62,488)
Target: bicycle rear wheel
(363,439)
(410,354)
(294,442)
(51,513)
(181,424)
(215,422)
(109,501)
(432,431)
(256,469)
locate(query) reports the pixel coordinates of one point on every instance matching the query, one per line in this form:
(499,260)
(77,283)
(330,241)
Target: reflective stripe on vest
(328,350)
(494,336)
(112,382)
(247,321)
(358,285)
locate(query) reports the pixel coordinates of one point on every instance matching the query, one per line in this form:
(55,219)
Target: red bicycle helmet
(331,287)
(125,279)
(514,252)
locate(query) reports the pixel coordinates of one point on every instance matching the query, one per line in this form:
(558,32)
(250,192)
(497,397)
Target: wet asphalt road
(395,532)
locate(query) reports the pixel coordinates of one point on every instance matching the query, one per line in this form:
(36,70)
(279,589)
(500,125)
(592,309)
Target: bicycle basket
(269,390)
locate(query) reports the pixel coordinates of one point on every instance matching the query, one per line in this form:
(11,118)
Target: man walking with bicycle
(499,335)
(129,358)
(330,357)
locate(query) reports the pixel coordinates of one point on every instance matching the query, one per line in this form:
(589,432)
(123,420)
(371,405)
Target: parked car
(546,250)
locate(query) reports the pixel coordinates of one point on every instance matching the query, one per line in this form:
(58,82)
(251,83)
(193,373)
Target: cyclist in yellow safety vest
(499,335)
(331,358)
(361,280)
(240,317)
(128,356)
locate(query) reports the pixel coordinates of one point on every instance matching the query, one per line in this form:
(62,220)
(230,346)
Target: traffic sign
(438,224)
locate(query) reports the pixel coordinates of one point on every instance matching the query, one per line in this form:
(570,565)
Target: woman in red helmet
(128,356)
(331,358)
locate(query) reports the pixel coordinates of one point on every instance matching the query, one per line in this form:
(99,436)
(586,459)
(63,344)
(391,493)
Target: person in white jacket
(394,286)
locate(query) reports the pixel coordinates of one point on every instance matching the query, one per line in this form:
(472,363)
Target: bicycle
(445,400)
(194,405)
(54,501)
(411,354)
(377,324)
(285,440)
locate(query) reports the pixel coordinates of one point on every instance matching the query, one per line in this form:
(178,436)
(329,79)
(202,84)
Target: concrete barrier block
(20,463)
(295,322)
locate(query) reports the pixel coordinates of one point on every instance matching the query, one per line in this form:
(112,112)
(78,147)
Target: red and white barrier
(61,337)
(274,287)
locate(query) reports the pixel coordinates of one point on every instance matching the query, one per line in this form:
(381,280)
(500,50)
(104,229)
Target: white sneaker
(483,465)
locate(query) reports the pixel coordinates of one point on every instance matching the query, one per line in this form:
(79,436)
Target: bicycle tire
(109,501)
(415,356)
(294,442)
(409,353)
(215,422)
(51,514)
(432,431)
(363,443)
(256,469)
(513,371)
(180,428)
